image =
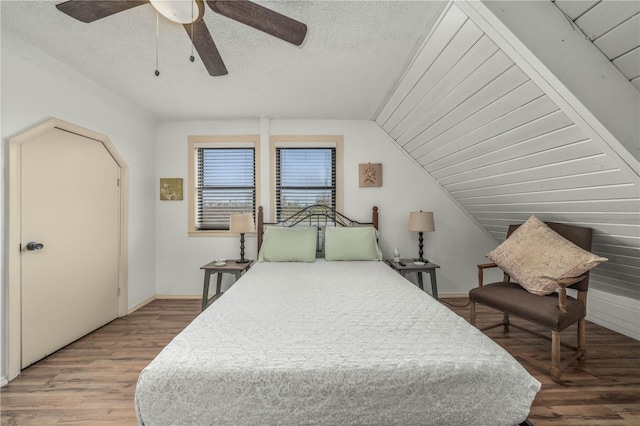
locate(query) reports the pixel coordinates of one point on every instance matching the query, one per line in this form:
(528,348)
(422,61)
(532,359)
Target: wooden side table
(406,266)
(232,267)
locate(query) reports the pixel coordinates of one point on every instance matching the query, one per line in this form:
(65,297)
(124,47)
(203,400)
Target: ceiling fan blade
(207,50)
(262,19)
(92,10)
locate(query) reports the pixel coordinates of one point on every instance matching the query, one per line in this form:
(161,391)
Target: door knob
(34,246)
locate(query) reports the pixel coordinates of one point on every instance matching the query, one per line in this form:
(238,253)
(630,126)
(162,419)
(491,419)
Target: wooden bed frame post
(260,226)
(374,217)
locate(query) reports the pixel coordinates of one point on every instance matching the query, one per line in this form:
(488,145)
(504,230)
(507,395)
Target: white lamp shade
(421,222)
(180,11)
(241,223)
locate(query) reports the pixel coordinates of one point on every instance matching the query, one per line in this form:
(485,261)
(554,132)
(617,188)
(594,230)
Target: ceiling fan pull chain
(157,73)
(192,58)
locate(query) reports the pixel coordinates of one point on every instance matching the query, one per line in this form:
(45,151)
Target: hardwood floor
(92,381)
(603,390)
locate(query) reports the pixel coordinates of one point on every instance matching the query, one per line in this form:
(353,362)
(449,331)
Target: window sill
(217,234)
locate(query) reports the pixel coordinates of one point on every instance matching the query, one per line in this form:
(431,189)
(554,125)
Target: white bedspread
(331,343)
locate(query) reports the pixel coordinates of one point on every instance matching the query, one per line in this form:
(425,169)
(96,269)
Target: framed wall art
(170,189)
(370,175)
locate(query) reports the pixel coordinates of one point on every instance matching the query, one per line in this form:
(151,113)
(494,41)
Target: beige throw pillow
(535,256)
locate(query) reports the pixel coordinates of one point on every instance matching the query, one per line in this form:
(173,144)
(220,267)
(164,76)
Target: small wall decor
(370,175)
(171,188)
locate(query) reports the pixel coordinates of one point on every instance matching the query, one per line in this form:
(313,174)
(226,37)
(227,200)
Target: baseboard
(178,296)
(141,304)
(3,381)
(163,296)
(453,295)
(618,313)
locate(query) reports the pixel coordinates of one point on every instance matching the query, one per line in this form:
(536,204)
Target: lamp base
(242,259)
(420,249)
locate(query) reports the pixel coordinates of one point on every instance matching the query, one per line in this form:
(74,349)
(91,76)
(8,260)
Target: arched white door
(70,241)
(71,205)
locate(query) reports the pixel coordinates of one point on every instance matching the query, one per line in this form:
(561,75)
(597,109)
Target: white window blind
(304,176)
(226,184)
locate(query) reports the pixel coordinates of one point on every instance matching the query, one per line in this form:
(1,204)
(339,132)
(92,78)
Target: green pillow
(281,244)
(357,243)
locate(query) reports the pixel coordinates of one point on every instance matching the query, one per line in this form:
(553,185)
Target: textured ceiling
(354,54)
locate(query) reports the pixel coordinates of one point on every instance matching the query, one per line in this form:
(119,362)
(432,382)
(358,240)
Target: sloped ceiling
(613,27)
(504,150)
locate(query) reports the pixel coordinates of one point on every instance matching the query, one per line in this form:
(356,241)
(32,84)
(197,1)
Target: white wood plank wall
(505,151)
(614,27)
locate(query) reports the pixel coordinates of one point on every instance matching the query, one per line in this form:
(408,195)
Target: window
(304,176)
(223,181)
(226,184)
(307,170)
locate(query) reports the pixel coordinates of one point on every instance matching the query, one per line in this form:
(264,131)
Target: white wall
(178,257)
(33,93)
(457,245)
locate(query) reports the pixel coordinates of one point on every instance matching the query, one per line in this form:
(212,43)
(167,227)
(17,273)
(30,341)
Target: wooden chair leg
(555,354)
(582,340)
(473,313)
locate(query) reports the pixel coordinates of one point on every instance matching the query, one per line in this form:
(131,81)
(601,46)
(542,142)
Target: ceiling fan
(189,13)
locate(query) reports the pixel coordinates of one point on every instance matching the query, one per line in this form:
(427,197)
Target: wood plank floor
(92,381)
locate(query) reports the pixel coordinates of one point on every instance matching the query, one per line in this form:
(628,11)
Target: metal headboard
(317,215)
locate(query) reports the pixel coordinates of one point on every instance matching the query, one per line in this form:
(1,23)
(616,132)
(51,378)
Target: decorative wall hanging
(171,188)
(370,175)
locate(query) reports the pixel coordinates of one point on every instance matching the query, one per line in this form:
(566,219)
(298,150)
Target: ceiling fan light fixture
(190,14)
(180,11)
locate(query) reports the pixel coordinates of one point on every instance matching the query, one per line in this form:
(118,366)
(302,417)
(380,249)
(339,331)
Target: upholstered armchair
(544,259)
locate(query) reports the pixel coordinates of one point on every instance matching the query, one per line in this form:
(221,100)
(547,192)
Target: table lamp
(421,222)
(241,223)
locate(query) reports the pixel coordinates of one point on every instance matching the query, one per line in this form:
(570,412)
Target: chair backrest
(578,235)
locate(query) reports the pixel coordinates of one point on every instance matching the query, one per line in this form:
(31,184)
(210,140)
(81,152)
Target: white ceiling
(354,54)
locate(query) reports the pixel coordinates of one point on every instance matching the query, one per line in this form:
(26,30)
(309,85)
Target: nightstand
(231,267)
(406,266)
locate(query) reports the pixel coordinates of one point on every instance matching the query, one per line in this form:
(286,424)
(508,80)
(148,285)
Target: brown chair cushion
(513,299)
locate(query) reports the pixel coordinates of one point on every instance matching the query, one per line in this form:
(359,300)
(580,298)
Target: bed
(331,343)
